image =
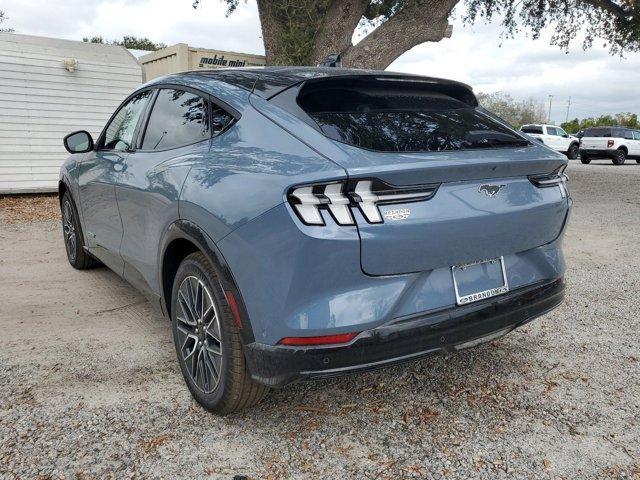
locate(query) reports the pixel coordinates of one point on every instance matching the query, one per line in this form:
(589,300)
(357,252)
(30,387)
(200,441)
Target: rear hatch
(598,138)
(398,138)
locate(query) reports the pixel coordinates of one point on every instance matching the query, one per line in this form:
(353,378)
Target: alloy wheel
(199,335)
(69,229)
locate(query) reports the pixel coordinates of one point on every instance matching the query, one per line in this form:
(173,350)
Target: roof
(270,81)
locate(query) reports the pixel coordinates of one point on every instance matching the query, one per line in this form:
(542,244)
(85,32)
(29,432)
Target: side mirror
(566,135)
(78,142)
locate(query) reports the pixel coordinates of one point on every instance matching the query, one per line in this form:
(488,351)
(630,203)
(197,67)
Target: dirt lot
(90,388)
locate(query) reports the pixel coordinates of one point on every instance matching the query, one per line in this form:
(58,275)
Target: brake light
(337,339)
(308,201)
(610,143)
(557,178)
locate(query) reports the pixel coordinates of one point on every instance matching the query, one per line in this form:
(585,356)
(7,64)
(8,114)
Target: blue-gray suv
(297,223)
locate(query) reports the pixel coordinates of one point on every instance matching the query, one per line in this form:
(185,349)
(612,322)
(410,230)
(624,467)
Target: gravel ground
(90,388)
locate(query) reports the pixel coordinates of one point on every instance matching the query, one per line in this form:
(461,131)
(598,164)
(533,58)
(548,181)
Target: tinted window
(119,133)
(537,129)
(636,135)
(220,119)
(597,132)
(403,120)
(178,118)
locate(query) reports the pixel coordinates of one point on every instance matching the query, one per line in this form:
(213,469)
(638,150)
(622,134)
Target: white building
(49,88)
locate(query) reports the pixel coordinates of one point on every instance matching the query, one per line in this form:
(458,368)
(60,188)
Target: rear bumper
(406,339)
(598,153)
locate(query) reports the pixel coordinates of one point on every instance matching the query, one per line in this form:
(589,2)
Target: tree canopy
(517,113)
(3,18)
(128,41)
(304,32)
(625,119)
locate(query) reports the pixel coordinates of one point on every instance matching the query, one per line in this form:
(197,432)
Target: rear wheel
(620,157)
(572,153)
(73,239)
(585,159)
(207,341)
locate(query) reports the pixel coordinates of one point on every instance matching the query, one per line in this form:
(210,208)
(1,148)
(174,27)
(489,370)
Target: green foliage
(625,119)
(517,113)
(128,41)
(615,22)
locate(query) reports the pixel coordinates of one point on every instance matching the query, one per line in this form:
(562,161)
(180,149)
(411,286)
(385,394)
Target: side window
(178,118)
(636,135)
(560,132)
(552,131)
(119,133)
(628,134)
(220,119)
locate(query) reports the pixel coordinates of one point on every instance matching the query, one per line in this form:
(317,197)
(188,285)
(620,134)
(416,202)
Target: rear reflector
(233,305)
(323,340)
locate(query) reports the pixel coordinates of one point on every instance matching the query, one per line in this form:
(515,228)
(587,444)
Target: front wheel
(572,153)
(207,341)
(585,159)
(620,157)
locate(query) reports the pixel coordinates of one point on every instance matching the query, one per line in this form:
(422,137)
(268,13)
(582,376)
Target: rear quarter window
(535,129)
(403,119)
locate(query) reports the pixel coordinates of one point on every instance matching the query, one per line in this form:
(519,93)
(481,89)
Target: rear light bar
(557,178)
(337,339)
(338,198)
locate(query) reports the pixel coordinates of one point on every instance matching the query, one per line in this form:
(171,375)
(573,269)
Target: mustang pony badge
(491,190)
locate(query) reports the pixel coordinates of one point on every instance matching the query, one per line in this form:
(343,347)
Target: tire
(78,257)
(638,160)
(572,153)
(620,157)
(585,159)
(209,343)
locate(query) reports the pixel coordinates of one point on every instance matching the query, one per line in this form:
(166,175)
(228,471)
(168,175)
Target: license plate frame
(477,296)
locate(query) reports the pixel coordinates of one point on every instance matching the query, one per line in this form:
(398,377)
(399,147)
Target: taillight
(557,178)
(309,200)
(340,338)
(610,143)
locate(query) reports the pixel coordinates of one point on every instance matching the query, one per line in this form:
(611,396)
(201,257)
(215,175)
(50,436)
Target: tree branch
(610,7)
(335,32)
(417,22)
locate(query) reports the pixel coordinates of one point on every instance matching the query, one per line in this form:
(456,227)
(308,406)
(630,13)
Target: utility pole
(550,99)
(568,107)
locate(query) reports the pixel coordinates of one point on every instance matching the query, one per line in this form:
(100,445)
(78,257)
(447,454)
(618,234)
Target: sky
(597,82)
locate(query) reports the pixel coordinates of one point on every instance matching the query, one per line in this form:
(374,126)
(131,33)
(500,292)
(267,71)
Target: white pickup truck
(554,137)
(616,143)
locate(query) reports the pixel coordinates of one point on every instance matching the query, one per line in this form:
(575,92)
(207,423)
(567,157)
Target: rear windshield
(406,119)
(604,132)
(532,129)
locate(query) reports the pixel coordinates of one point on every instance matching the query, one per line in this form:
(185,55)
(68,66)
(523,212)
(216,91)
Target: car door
(636,141)
(552,138)
(98,175)
(564,140)
(176,132)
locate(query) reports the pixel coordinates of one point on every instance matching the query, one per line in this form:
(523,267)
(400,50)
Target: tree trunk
(305,32)
(418,22)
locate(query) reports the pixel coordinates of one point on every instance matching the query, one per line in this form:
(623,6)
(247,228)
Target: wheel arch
(180,240)
(624,147)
